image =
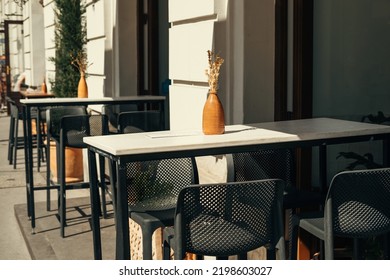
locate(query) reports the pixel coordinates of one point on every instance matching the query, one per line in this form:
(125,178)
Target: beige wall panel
(49,14)
(26,43)
(96,57)
(95,17)
(49,65)
(27,62)
(186,9)
(186,107)
(26,26)
(49,37)
(95,86)
(188,45)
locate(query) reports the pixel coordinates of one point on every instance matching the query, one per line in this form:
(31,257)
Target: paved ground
(13,204)
(46,243)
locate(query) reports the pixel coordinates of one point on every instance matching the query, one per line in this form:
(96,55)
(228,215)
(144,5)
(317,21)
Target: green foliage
(70,40)
(146,186)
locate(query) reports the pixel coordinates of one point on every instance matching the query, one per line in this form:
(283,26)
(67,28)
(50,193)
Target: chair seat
(160,203)
(157,218)
(217,237)
(226,219)
(313,223)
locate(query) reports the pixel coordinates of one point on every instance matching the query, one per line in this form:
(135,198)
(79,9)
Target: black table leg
(26,159)
(29,164)
(122,216)
(95,205)
(323,169)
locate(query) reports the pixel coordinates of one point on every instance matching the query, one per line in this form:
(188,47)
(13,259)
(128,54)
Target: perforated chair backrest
(155,185)
(14,110)
(54,116)
(230,218)
(139,121)
(358,203)
(75,128)
(112,111)
(265,164)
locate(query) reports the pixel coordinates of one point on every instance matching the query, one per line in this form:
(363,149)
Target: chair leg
(62,191)
(103,185)
(39,142)
(356,249)
(111,167)
(147,233)
(293,238)
(386,244)
(11,139)
(243,256)
(271,254)
(15,147)
(167,239)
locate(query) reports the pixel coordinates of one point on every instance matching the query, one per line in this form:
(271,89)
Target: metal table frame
(39,103)
(310,136)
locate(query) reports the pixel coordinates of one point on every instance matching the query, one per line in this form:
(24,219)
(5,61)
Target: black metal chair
(228,219)
(68,126)
(16,142)
(274,163)
(53,126)
(41,136)
(153,187)
(357,206)
(139,121)
(113,111)
(14,119)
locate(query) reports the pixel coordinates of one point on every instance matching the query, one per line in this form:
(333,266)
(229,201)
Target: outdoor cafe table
(40,103)
(237,138)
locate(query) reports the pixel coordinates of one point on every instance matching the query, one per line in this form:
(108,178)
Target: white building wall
(34,42)
(95,48)
(112,47)
(190,36)
(48,22)
(242,32)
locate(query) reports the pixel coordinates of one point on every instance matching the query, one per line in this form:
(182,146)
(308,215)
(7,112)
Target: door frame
(148,46)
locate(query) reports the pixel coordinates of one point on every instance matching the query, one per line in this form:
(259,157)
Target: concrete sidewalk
(46,243)
(13,192)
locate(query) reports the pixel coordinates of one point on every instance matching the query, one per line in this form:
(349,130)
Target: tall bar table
(28,104)
(126,148)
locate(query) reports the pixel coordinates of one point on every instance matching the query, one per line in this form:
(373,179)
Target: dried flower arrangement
(215,63)
(80,62)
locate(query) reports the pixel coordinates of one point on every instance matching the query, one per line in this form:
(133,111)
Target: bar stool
(68,126)
(16,142)
(73,130)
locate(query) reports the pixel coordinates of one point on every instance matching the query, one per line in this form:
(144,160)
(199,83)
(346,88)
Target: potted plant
(70,60)
(70,40)
(213,120)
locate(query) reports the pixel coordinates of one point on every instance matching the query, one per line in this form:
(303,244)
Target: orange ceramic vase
(213,115)
(82,90)
(44,88)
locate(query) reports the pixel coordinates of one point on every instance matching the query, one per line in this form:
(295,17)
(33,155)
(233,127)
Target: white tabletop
(70,100)
(235,135)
